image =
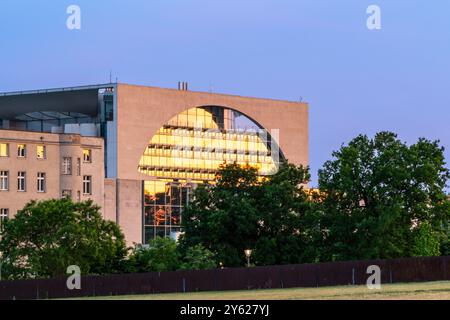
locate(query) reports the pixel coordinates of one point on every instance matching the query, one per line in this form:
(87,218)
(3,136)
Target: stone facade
(56,181)
(139,112)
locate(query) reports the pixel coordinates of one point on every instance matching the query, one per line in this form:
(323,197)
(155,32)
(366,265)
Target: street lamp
(248,253)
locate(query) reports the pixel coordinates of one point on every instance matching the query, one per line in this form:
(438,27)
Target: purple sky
(356,80)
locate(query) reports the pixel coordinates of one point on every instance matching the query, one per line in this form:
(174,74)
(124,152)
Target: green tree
(160,255)
(198,258)
(286,218)
(46,237)
(425,241)
(376,191)
(242,211)
(223,217)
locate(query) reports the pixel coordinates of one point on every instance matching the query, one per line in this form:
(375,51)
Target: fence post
(445,274)
(184,285)
(353,275)
(390,273)
(317,275)
(215,279)
(281,278)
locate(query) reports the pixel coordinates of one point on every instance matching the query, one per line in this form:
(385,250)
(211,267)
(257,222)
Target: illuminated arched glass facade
(188,150)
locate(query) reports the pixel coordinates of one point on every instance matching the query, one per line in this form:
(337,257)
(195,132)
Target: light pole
(248,253)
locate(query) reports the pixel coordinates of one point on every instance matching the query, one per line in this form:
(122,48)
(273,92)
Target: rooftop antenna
(110,76)
(300,99)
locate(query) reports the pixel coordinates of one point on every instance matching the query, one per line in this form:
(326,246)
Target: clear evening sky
(356,80)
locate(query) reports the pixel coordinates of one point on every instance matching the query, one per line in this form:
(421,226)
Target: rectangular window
(41,152)
(21,151)
(87,155)
(67,165)
(4,216)
(41,182)
(4,180)
(21,181)
(67,194)
(4,150)
(87,185)
(78,167)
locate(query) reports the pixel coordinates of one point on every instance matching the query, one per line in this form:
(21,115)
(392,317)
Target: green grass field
(410,291)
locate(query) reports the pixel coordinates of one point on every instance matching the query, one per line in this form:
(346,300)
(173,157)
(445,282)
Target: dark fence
(286,276)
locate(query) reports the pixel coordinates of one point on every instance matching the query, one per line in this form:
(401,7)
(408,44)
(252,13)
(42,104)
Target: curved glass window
(188,150)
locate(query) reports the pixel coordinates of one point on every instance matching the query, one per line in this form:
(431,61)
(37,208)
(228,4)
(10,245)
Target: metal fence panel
(285,276)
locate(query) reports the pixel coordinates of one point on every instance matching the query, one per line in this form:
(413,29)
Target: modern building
(137,151)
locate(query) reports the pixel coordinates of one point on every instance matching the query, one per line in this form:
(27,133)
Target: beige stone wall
(96,168)
(57,147)
(109,209)
(129,199)
(143,110)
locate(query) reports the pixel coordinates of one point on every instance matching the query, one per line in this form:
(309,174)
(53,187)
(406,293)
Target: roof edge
(62,89)
(116,84)
(214,93)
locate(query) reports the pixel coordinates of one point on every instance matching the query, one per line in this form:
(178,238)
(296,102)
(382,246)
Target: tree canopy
(384,199)
(46,237)
(242,211)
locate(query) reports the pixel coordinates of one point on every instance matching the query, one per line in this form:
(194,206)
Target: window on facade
(67,165)
(21,181)
(163,207)
(41,152)
(41,182)
(4,180)
(78,196)
(180,150)
(87,155)
(87,185)
(67,194)
(4,216)
(78,167)
(183,154)
(21,151)
(4,150)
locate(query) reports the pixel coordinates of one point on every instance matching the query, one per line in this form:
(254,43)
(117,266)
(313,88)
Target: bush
(160,255)
(198,258)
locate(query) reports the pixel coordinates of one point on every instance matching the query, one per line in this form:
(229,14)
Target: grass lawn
(411,291)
